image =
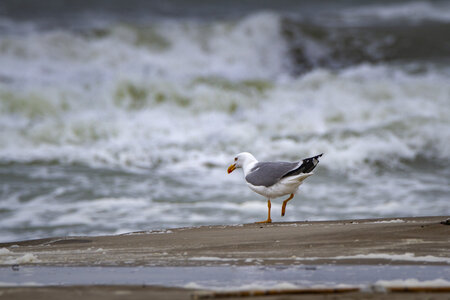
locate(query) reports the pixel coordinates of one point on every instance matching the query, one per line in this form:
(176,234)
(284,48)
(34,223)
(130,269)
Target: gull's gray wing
(269,173)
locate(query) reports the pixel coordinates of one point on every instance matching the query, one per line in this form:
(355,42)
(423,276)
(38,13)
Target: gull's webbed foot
(264,222)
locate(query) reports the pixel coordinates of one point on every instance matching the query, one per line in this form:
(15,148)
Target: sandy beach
(422,241)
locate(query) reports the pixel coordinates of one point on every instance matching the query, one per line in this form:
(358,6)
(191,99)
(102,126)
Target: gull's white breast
(285,186)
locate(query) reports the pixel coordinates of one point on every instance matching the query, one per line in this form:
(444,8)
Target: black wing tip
(316,157)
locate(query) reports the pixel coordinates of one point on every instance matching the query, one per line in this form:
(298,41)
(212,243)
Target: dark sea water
(119,116)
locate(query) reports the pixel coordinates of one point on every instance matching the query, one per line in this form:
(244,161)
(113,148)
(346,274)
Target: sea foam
(132,126)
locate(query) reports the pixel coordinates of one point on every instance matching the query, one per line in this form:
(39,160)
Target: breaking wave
(151,114)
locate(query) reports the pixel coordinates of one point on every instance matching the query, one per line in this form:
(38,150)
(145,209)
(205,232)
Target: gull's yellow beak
(231,168)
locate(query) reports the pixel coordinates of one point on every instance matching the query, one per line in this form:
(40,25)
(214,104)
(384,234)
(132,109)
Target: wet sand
(398,241)
(145,292)
(338,242)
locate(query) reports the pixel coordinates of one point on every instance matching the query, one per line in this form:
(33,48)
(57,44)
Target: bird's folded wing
(269,173)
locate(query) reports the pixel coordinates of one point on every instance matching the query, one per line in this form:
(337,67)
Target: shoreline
(412,240)
(417,242)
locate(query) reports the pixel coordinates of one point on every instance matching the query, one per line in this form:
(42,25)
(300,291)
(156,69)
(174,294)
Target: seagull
(274,179)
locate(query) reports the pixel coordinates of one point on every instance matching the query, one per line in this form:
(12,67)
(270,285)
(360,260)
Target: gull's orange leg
(269,220)
(283,208)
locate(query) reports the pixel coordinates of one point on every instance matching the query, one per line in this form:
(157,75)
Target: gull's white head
(241,160)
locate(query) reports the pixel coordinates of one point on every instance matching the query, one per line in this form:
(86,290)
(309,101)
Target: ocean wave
(262,45)
(151,114)
(167,49)
(319,44)
(359,117)
(410,11)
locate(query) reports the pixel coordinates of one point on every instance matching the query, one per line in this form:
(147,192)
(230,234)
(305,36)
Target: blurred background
(119,116)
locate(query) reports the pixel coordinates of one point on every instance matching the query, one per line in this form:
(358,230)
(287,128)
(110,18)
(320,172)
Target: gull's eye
(235,159)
